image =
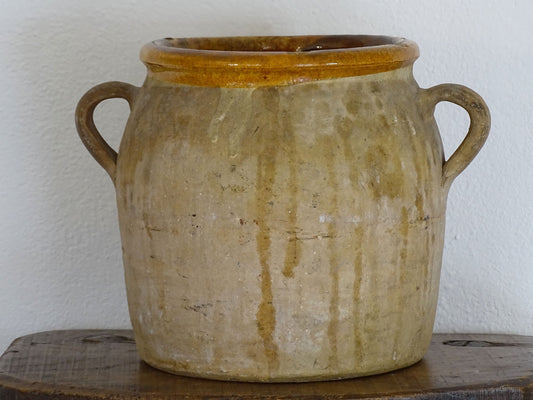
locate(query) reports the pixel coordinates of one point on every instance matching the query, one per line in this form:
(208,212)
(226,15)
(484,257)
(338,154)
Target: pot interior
(283,44)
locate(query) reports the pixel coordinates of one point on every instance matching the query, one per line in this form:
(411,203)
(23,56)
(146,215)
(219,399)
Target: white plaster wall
(60,253)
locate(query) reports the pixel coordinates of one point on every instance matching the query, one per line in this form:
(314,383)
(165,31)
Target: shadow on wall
(69,253)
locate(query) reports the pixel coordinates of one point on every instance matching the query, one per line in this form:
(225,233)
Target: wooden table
(104,364)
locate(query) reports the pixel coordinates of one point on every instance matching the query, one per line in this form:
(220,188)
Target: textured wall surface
(60,252)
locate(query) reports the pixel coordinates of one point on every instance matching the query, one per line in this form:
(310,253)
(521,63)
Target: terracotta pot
(281,204)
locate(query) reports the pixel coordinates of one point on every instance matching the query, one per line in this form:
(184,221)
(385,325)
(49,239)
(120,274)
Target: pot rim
(249,61)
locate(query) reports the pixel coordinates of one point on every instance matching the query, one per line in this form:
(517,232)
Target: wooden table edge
(12,388)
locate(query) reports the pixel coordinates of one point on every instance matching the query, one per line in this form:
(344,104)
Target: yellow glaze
(273,60)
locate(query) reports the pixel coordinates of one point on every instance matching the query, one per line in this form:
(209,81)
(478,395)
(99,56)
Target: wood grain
(104,364)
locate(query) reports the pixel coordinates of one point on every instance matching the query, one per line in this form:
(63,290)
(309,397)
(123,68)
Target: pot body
(282,208)
(279,233)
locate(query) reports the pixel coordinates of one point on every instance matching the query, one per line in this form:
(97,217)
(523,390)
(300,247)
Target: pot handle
(477,132)
(91,138)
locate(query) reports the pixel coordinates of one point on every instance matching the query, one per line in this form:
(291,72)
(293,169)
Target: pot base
(286,378)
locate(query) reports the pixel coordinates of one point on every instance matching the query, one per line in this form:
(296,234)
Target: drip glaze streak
(268,101)
(294,251)
(333,258)
(402,269)
(357,307)
(345,128)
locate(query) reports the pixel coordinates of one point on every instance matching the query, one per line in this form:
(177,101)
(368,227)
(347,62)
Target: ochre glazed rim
(273,60)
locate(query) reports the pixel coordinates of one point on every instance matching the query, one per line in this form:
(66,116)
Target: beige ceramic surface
(283,231)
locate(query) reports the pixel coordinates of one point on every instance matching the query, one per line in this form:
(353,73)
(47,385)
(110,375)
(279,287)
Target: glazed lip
(273,60)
